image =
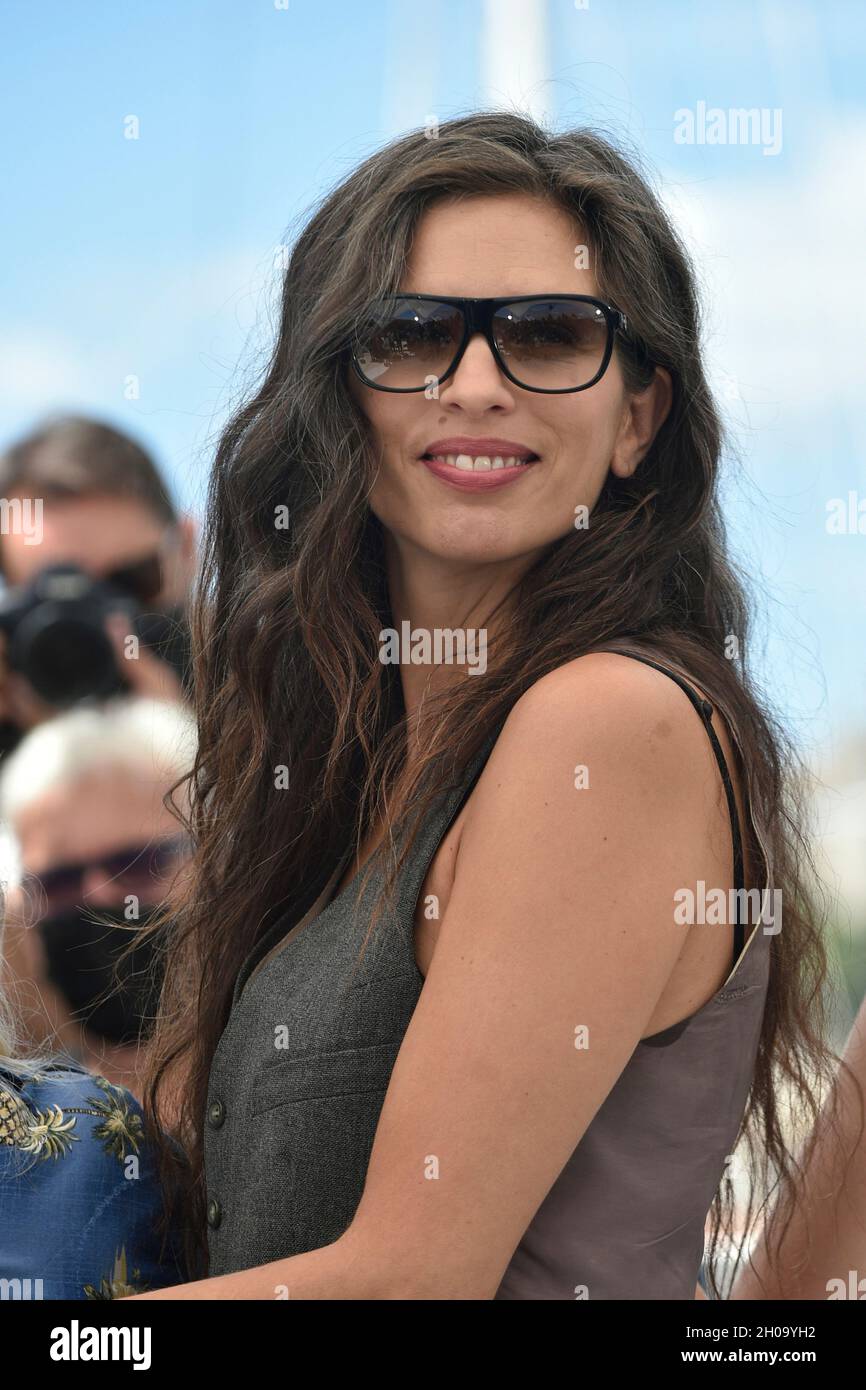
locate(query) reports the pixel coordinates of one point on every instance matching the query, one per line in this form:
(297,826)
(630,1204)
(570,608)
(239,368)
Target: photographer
(109,560)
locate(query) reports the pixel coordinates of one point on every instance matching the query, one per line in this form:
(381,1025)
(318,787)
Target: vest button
(216,1114)
(214,1213)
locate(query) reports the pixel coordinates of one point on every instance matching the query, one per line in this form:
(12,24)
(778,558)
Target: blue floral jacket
(79,1196)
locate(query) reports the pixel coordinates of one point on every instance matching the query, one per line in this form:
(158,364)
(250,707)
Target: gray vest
(300,1073)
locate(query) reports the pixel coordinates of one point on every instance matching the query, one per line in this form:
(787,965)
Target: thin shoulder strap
(705,710)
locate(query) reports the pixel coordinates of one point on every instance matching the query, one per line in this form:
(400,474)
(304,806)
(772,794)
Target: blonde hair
(19,1063)
(15,1057)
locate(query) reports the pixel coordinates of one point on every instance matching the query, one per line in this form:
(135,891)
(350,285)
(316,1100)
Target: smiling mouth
(481,463)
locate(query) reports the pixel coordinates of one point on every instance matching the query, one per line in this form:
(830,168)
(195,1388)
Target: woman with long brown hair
(476,986)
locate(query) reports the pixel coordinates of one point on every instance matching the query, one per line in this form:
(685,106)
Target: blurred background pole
(515,58)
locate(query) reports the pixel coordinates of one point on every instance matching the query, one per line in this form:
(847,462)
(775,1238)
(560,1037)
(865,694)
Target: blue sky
(155,257)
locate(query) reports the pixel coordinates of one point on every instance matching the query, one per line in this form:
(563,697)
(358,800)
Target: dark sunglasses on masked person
(111,989)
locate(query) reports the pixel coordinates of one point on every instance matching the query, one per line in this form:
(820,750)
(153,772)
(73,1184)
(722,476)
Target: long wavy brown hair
(286,622)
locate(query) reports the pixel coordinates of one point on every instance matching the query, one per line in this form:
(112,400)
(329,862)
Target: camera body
(55,634)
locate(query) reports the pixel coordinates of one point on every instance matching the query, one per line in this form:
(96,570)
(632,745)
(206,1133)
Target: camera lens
(55,629)
(66,657)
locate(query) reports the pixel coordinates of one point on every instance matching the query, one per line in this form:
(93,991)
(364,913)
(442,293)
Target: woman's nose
(478,382)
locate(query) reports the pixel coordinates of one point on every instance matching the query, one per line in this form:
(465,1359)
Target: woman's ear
(643,417)
(188,534)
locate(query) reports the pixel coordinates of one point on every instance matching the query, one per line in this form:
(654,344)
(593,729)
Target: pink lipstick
(475,463)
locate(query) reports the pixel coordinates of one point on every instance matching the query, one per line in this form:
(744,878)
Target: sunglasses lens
(552,344)
(143,580)
(409,343)
(139,869)
(56,887)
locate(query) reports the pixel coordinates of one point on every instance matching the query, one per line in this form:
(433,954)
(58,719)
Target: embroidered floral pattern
(122,1129)
(48,1133)
(13,1119)
(119,1285)
(53,1131)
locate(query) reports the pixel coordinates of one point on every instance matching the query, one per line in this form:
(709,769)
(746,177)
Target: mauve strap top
(626,1216)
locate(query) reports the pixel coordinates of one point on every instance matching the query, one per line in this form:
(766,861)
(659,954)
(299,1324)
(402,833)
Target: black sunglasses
(134,868)
(143,580)
(549,343)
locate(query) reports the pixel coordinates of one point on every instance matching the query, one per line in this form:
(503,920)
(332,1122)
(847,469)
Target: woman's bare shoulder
(608,697)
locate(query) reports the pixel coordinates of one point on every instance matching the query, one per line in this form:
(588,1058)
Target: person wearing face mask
(82,796)
(92,551)
(81,1203)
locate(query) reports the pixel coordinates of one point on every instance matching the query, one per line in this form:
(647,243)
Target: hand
(146,674)
(19,702)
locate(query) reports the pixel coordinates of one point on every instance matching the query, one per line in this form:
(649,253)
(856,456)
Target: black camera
(56,638)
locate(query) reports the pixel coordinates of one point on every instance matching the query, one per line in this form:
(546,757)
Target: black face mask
(118,1004)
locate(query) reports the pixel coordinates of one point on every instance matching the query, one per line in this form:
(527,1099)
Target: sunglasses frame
(478,317)
(158,854)
(130,577)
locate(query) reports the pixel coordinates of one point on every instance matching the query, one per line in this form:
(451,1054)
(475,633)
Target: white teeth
(482,464)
